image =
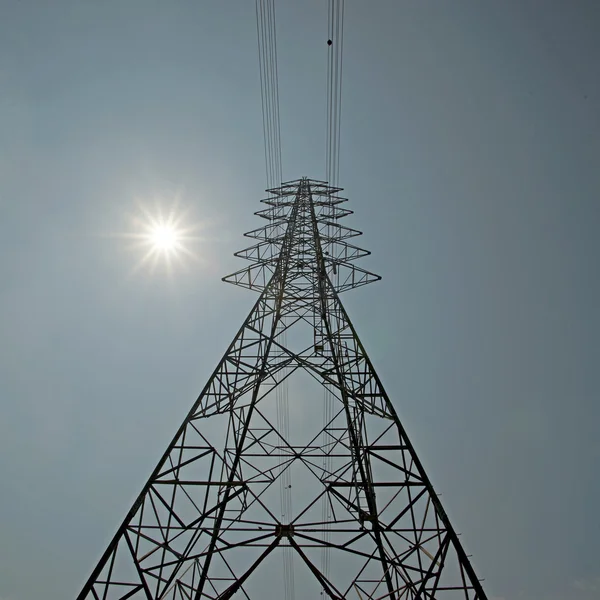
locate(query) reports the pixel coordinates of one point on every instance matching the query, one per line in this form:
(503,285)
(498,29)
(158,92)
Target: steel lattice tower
(214,514)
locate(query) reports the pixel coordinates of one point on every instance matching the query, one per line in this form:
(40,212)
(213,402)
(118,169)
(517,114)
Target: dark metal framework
(369,523)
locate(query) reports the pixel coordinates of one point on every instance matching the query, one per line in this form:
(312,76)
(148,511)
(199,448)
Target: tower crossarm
(338,254)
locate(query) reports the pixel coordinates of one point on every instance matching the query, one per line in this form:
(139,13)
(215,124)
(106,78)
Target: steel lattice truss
(368,523)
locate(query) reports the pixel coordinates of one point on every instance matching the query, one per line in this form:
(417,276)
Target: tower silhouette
(339,492)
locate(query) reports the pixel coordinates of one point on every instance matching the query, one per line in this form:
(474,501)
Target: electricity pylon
(217,509)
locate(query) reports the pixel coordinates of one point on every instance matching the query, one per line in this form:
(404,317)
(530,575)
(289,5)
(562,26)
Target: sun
(165,240)
(165,237)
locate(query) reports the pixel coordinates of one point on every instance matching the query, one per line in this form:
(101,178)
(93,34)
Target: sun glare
(164,236)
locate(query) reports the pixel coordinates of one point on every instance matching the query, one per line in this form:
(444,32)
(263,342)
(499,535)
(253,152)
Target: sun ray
(165,235)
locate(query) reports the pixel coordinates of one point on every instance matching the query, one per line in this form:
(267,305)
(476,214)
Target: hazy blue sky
(471,156)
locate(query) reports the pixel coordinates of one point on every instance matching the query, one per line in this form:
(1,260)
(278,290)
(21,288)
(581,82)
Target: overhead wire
(335,43)
(335,31)
(269,90)
(269,80)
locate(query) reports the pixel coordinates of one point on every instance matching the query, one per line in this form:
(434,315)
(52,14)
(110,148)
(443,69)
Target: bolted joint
(282,530)
(365,517)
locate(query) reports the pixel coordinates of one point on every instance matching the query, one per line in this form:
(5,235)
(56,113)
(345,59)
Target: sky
(470,152)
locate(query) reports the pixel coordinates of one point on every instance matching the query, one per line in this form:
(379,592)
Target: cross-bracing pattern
(211,518)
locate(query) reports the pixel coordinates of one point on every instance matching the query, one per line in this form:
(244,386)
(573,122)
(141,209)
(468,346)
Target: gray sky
(470,153)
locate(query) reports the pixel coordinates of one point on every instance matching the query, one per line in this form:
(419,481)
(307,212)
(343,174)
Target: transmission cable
(335,47)
(269,92)
(269,89)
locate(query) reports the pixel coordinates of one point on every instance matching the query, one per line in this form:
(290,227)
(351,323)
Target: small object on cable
(329,42)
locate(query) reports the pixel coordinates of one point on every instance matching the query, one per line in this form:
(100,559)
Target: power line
(335,48)
(269,92)
(269,89)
